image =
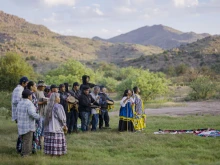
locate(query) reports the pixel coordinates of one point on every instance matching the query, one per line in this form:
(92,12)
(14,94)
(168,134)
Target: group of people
(45,113)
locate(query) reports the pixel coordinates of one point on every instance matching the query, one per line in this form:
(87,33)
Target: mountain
(157,35)
(204,52)
(46,50)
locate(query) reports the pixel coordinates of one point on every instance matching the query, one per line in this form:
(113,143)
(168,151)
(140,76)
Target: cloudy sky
(108,18)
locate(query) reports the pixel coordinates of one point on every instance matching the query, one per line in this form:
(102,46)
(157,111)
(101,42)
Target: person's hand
(98,98)
(67,99)
(91,103)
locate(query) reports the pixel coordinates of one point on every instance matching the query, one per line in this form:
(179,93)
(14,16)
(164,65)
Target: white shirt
(129,100)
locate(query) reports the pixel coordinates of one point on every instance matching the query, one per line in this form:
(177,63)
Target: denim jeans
(85,121)
(95,120)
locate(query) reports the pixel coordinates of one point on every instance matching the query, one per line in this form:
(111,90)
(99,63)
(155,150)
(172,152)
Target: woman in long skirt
(126,113)
(55,124)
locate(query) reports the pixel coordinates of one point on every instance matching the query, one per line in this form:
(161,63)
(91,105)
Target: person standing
(26,116)
(126,112)
(16,97)
(85,82)
(95,113)
(64,102)
(104,116)
(75,92)
(140,115)
(36,136)
(85,102)
(53,89)
(55,124)
(42,104)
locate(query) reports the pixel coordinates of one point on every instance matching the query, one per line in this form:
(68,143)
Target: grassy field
(109,147)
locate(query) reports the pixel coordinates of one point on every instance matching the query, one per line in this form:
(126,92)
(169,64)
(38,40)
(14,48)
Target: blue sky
(108,18)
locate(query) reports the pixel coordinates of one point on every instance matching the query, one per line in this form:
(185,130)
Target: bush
(12,68)
(5,98)
(150,84)
(33,58)
(108,82)
(70,72)
(202,88)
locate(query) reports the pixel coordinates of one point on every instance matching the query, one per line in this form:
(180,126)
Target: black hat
(53,86)
(23,79)
(85,87)
(75,84)
(26,93)
(61,85)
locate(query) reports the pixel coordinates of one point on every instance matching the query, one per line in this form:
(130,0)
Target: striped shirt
(26,115)
(16,97)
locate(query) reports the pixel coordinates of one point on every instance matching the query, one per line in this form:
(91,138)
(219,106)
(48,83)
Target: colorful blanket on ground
(204,132)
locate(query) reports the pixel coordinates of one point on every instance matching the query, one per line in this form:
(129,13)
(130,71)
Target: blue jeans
(95,120)
(85,121)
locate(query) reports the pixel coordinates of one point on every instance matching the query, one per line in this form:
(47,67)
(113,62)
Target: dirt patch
(191,108)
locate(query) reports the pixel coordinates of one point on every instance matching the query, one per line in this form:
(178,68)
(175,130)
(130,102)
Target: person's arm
(32,112)
(124,101)
(60,113)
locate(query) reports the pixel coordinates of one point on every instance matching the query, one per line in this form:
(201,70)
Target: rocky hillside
(45,49)
(204,52)
(157,35)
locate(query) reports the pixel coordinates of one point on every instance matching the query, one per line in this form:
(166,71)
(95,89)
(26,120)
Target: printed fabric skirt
(54,143)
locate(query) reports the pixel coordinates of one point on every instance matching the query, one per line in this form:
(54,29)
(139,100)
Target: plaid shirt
(16,97)
(26,115)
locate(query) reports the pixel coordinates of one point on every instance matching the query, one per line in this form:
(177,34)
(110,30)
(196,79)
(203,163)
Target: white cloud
(185,3)
(105,30)
(59,2)
(51,19)
(98,11)
(125,10)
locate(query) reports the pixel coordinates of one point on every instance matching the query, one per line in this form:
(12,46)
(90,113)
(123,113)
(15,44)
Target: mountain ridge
(157,35)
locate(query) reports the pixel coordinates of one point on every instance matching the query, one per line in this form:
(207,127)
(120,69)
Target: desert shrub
(202,88)
(33,58)
(34,65)
(12,68)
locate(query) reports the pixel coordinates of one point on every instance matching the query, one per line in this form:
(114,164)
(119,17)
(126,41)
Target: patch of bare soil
(191,108)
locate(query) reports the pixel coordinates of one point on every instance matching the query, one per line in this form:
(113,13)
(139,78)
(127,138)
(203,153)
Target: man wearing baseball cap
(26,116)
(16,96)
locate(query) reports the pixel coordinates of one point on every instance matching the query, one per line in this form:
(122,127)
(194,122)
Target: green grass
(109,147)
